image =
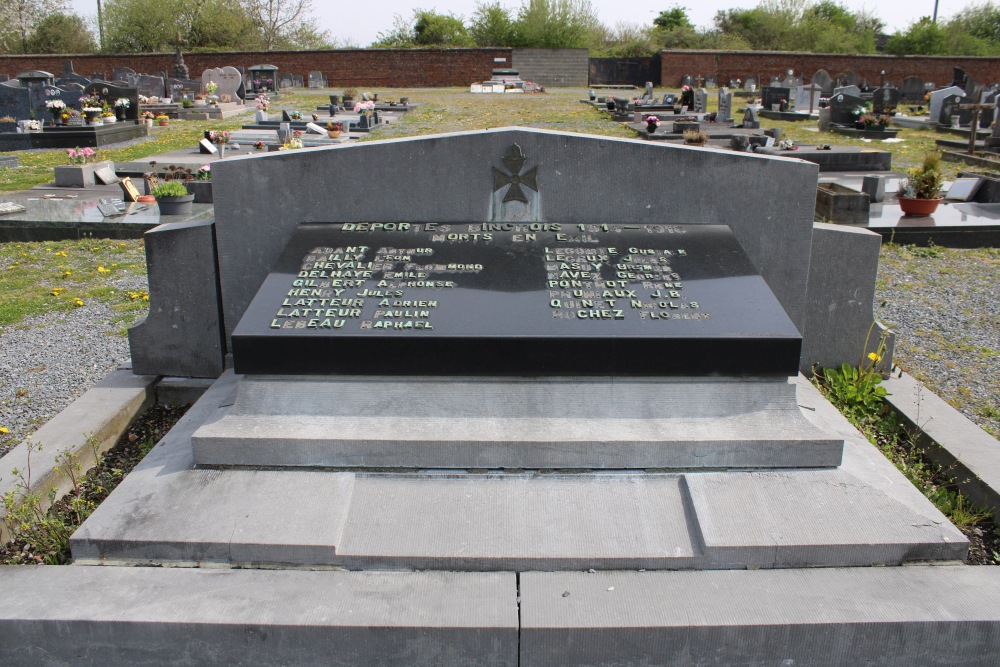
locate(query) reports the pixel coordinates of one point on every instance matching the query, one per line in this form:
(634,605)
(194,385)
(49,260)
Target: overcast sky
(360,27)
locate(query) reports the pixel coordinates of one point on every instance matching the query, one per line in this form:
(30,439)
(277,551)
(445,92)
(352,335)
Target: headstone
(848,90)
(885,100)
(823,80)
(711,82)
(69,76)
(14,100)
(298,80)
(807,98)
(111,92)
(847,78)
(986,116)
(687,80)
(950,108)
(228,79)
(126,74)
(750,83)
(206,147)
(773,95)
(150,86)
(843,109)
(874,186)
(286,81)
(315,79)
(315,129)
(750,119)
(912,90)
(649,89)
(725,113)
(963,81)
(937,99)
(700,100)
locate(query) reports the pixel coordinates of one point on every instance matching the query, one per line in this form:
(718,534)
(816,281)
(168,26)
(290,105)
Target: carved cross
(514,159)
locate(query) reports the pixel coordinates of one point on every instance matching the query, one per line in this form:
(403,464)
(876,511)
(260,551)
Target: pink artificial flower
(70,153)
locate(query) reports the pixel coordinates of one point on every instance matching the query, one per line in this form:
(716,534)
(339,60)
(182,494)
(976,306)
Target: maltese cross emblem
(514,159)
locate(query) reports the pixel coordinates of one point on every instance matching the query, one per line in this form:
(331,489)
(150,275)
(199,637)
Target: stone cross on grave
(514,159)
(975,108)
(812,88)
(180,70)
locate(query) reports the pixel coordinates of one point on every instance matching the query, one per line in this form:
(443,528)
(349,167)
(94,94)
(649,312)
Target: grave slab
(155,616)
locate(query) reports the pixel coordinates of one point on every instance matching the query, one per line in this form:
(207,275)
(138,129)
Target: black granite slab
(515,299)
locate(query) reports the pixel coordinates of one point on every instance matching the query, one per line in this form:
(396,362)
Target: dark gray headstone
(76,87)
(739,143)
(286,81)
(150,86)
(912,89)
(874,186)
(4,77)
(937,98)
(124,74)
(842,108)
(69,76)
(963,80)
(950,108)
(110,92)
(687,80)
(986,116)
(14,100)
(773,95)
(70,95)
(700,101)
(847,78)
(750,119)
(885,100)
(823,80)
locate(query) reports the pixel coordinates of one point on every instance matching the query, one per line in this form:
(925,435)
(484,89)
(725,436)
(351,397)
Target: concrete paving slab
(914,615)
(96,420)
(518,522)
(499,423)
(156,616)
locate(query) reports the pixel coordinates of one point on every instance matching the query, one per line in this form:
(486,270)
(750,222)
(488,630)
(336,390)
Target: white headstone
(807,98)
(938,97)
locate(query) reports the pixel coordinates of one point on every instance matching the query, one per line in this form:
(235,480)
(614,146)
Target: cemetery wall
(353,67)
(726,65)
(552,67)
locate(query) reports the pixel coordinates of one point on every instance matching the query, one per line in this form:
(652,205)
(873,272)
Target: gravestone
(228,78)
(885,100)
(937,99)
(986,116)
(711,82)
(847,78)
(773,95)
(963,80)
(725,112)
(286,80)
(69,76)
(110,92)
(852,90)
(69,94)
(750,83)
(912,90)
(126,74)
(750,119)
(700,101)
(315,79)
(186,85)
(14,100)
(843,109)
(807,98)
(687,80)
(822,79)
(950,107)
(150,86)
(298,80)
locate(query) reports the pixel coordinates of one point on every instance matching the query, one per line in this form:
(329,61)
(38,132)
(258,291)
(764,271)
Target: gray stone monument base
(459,423)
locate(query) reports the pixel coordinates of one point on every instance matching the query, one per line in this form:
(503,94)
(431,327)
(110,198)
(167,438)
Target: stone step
(536,423)
(914,615)
(265,518)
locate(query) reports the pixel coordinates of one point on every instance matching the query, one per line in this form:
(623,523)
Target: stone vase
(79,175)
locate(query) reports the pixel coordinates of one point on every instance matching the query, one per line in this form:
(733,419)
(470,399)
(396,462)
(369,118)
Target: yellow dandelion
(101,269)
(4,429)
(78,302)
(67,274)
(113,265)
(145,297)
(874,357)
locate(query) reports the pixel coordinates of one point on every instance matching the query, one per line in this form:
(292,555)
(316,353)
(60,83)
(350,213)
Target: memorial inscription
(506,298)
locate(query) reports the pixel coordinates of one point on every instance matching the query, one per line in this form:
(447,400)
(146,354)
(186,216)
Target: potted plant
(334,128)
(875,122)
(108,117)
(349,95)
(173,198)
(210,95)
(162,119)
(652,122)
(920,193)
(148,117)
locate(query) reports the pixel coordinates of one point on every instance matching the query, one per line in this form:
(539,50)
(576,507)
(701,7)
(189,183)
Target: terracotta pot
(146,199)
(163,123)
(919,207)
(334,134)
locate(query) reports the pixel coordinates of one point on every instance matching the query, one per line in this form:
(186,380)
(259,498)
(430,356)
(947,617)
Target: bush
(170,189)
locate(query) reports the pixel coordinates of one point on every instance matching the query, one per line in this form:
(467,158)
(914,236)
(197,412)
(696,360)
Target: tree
(923,37)
(278,21)
(554,24)
(492,25)
(433,29)
(19,19)
(61,33)
(673,18)
(142,26)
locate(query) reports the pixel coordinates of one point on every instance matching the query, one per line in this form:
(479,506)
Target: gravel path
(943,305)
(46,362)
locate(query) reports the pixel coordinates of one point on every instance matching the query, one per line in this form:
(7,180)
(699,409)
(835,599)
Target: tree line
(819,26)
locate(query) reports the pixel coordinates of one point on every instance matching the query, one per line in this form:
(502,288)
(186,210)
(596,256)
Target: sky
(362,27)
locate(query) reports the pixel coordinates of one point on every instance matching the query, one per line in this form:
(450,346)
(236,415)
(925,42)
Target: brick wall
(726,65)
(369,67)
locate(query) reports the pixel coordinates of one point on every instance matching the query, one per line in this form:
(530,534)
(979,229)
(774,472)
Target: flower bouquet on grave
(920,192)
(334,129)
(877,122)
(263,103)
(365,108)
(205,173)
(162,119)
(652,122)
(783,105)
(80,155)
(259,145)
(295,141)
(56,108)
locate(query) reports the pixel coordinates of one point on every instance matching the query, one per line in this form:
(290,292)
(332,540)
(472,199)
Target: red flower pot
(919,207)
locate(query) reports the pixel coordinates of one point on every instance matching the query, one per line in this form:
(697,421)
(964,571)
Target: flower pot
(175,205)
(334,134)
(919,207)
(146,199)
(149,122)
(163,123)
(120,112)
(651,127)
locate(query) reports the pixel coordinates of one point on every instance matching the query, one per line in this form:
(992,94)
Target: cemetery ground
(65,306)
